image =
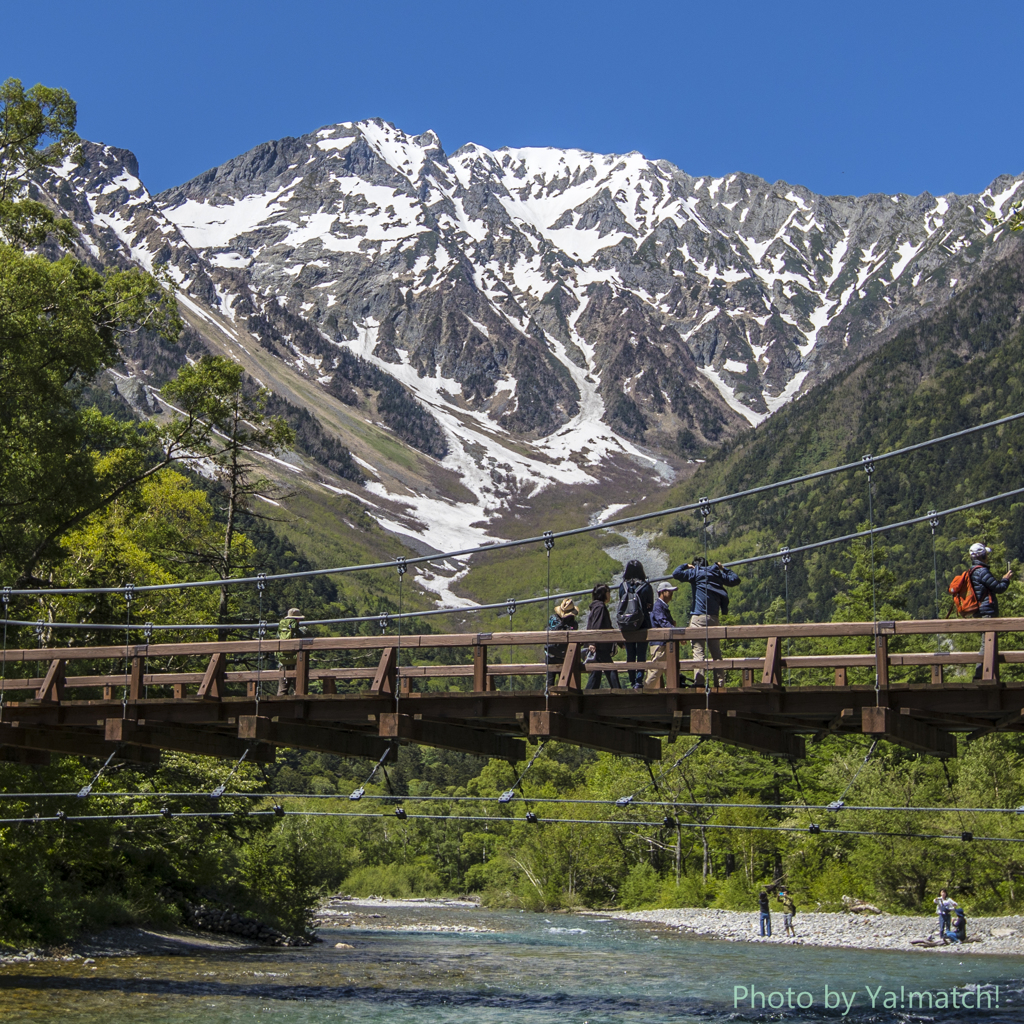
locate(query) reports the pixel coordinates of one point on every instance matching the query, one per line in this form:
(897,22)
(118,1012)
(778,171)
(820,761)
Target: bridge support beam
(63,740)
(743,733)
(186,741)
(451,737)
(907,731)
(550,725)
(312,737)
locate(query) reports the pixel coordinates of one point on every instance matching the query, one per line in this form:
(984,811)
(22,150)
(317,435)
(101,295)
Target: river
(421,966)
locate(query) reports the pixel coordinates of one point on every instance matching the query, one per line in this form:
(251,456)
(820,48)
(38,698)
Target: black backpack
(631,612)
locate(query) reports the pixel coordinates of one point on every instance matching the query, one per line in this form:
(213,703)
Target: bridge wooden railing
(755,670)
(220,709)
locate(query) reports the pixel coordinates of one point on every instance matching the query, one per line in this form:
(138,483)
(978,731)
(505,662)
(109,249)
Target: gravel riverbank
(995,935)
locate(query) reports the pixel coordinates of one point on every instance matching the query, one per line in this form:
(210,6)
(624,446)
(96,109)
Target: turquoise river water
(531,968)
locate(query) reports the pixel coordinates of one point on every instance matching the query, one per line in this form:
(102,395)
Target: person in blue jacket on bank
(709,598)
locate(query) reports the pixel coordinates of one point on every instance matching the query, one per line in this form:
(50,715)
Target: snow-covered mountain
(550,310)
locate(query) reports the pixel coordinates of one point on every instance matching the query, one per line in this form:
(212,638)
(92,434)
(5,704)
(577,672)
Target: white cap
(663,586)
(980,551)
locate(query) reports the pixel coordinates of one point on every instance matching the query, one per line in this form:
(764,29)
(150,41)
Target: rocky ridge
(520,317)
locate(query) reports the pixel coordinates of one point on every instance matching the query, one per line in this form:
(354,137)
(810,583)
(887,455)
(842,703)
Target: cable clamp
(868,462)
(933,520)
(385,621)
(261,629)
(966,837)
(814,829)
(786,559)
(357,794)
(668,821)
(278,811)
(401,566)
(704,507)
(5,596)
(507,797)
(531,818)
(549,540)
(39,631)
(166,812)
(400,813)
(836,805)
(129,594)
(510,606)
(148,632)
(624,801)
(261,581)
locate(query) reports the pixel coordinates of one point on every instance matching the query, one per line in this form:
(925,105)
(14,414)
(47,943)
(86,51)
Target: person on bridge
(288,629)
(563,617)
(634,582)
(986,586)
(598,617)
(709,598)
(661,618)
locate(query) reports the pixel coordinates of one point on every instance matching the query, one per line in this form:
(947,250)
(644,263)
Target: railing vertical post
(572,668)
(841,676)
(386,675)
(671,652)
(135,680)
(882,660)
(301,673)
(989,660)
(772,675)
(936,675)
(481,683)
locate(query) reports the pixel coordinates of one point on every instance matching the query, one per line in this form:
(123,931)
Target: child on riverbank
(788,911)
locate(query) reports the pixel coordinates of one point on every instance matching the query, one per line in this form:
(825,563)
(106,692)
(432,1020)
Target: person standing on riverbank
(945,907)
(766,914)
(788,911)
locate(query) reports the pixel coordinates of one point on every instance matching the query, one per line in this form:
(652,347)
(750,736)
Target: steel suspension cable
(608,802)
(813,546)
(502,545)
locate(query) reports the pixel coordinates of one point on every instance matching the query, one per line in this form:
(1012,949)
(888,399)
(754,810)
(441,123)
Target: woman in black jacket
(598,618)
(634,578)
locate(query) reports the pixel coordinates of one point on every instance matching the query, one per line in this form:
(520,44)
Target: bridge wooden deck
(203,697)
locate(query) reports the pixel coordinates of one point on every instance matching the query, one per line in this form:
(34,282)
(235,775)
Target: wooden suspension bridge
(769,703)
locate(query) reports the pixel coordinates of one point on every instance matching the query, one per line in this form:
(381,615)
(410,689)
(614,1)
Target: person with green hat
(288,629)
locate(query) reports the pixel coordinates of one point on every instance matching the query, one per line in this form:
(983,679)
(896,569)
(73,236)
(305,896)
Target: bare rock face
(529,303)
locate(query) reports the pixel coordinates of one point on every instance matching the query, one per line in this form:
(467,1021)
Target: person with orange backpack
(975,591)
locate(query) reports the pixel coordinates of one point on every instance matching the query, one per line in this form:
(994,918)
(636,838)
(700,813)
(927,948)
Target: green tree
(226,418)
(59,327)
(37,130)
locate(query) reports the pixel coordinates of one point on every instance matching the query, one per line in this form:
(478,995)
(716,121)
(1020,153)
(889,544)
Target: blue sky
(845,98)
